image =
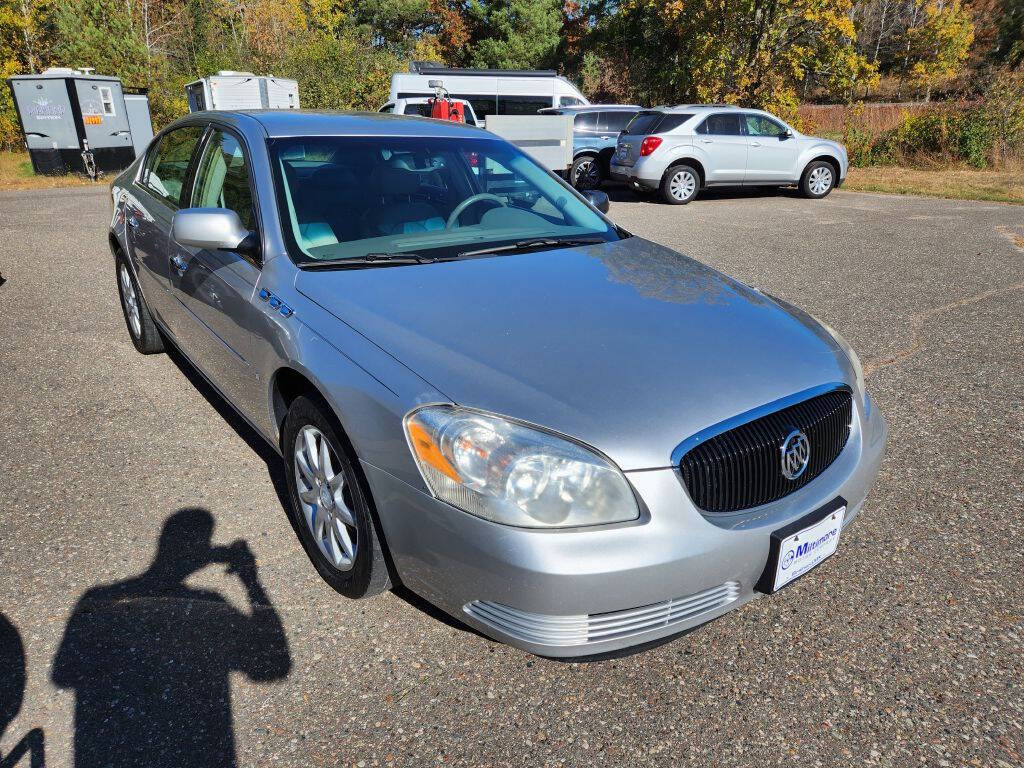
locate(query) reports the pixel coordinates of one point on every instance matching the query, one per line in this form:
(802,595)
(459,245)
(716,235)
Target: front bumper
(588,591)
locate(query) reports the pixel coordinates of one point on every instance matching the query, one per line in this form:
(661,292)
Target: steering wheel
(453,219)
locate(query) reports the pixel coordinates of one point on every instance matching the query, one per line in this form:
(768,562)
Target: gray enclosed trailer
(74,121)
(242,90)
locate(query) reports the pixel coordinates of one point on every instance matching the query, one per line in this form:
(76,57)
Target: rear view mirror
(597,198)
(210,228)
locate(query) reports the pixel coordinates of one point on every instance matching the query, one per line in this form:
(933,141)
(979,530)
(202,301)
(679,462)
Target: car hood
(627,346)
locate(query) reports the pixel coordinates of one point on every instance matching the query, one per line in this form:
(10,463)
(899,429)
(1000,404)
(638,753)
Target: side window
(389,108)
(585,121)
(759,125)
(721,125)
(482,105)
(671,122)
(568,101)
(522,105)
(613,122)
(223,178)
(169,164)
(107,99)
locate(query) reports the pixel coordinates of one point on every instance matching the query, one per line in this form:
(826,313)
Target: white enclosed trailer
(242,90)
(546,138)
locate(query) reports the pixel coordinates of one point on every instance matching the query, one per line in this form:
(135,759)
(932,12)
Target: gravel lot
(904,649)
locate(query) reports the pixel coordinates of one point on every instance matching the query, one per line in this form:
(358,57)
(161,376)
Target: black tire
(141,328)
(680,184)
(810,182)
(586,172)
(368,573)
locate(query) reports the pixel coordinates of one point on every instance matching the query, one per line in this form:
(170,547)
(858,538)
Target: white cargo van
(490,91)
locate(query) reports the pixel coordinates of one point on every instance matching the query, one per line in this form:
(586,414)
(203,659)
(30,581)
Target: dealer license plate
(795,552)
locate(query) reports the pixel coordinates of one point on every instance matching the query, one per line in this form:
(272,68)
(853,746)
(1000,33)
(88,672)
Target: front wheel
(680,184)
(330,508)
(818,180)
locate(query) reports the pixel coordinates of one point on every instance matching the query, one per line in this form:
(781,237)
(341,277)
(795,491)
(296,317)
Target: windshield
(348,197)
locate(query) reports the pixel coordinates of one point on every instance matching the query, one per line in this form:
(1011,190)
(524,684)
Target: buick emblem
(796,452)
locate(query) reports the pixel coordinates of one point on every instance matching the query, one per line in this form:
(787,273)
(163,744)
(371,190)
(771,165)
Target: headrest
(388,180)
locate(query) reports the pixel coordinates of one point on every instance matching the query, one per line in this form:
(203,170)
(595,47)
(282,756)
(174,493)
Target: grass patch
(16,173)
(959,183)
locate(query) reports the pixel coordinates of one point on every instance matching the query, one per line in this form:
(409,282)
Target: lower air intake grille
(583,629)
(743,468)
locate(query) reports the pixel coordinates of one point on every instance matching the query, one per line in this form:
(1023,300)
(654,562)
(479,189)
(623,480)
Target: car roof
(300,122)
(695,107)
(590,108)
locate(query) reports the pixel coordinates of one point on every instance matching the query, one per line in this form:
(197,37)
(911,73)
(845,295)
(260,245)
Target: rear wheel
(818,180)
(586,173)
(141,328)
(330,507)
(680,184)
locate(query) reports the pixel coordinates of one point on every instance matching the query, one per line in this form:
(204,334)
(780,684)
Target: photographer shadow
(150,658)
(12,692)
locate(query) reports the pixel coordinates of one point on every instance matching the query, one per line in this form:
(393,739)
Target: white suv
(682,149)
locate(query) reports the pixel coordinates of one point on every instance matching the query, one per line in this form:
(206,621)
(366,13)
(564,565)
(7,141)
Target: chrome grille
(741,467)
(582,629)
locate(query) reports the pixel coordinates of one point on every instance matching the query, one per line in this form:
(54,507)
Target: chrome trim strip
(583,629)
(752,415)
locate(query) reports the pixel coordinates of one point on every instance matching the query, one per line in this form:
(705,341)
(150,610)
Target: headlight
(509,473)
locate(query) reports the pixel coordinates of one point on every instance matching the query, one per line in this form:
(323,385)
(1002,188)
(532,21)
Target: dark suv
(595,130)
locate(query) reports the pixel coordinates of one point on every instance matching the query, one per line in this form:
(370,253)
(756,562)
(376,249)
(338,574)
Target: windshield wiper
(371,260)
(529,245)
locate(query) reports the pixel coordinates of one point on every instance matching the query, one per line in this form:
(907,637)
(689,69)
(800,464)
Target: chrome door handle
(755,143)
(606,138)
(708,141)
(179,264)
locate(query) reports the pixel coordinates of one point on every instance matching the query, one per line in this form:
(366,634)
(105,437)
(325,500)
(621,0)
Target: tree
(755,52)
(515,34)
(940,45)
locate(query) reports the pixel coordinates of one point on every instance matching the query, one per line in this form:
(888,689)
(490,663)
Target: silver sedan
(570,438)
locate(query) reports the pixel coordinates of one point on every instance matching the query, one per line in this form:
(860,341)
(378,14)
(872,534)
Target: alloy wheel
(587,175)
(820,180)
(130,301)
(682,185)
(325,498)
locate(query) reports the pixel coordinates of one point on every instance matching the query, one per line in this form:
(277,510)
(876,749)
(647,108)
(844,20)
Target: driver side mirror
(597,198)
(212,229)
(787,134)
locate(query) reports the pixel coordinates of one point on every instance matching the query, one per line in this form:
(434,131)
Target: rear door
(772,154)
(155,198)
(216,287)
(724,144)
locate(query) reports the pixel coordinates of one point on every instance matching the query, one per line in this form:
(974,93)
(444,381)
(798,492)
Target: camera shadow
(149,658)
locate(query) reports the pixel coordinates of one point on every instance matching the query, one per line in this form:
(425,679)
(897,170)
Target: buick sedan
(568,437)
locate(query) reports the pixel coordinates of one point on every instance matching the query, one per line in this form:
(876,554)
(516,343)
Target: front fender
(823,149)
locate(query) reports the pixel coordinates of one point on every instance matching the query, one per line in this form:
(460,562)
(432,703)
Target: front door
(724,147)
(772,151)
(216,287)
